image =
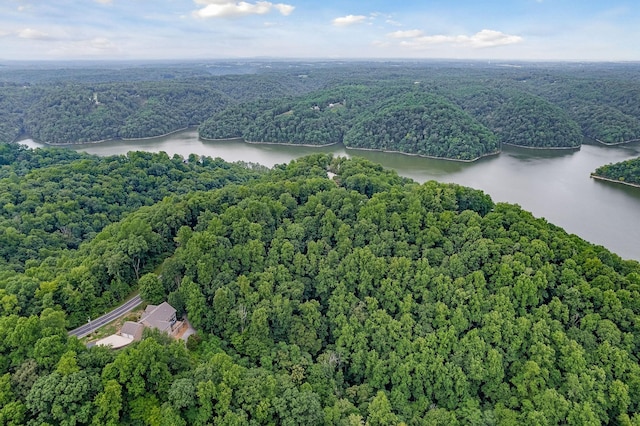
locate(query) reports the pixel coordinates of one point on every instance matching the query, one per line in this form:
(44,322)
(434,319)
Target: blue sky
(209,29)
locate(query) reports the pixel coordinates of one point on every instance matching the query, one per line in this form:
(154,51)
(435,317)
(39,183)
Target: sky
(564,30)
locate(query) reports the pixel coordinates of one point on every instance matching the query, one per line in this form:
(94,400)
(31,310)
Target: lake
(553,184)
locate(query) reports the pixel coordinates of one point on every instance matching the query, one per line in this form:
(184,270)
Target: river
(549,183)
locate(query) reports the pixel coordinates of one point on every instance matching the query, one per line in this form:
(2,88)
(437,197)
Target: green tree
(151,289)
(380,412)
(108,404)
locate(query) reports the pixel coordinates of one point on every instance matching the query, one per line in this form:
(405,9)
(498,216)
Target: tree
(108,404)
(151,289)
(63,399)
(380,411)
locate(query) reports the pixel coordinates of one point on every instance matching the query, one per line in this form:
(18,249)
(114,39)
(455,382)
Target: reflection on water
(553,184)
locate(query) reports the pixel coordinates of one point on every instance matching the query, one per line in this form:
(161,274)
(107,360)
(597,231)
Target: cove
(553,184)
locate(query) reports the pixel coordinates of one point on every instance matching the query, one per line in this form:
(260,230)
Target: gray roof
(161,316)
(133,328)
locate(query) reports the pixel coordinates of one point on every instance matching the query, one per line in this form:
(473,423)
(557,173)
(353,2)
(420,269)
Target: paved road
(95,324)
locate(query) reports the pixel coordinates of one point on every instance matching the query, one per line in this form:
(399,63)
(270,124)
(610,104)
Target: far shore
(241,139)
(158,136)
(107,140)
(350,148)
(425,156)
(635,185)
(545,148)
(615,143)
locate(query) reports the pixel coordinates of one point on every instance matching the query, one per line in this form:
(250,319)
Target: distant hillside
(442,110)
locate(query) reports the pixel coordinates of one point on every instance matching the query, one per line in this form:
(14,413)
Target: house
(132,330)
(161,317)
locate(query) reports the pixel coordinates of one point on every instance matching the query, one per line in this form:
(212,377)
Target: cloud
(32,34)
(345,21)
(406,34)
(104,1)
(481,39)
(491,38)
(225,9)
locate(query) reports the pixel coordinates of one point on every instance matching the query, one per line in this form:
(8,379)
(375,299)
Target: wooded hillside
(366,298)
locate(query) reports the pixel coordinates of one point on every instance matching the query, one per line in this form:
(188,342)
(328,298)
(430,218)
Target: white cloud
(32,34)
(491,38)
(285,9)
(481,39)
(349,20)
(224,8)
(104,1)
(394,23)
(406,34)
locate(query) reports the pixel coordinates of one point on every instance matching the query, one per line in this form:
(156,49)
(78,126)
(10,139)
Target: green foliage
(437,109)
(422,124)
(91,105)
(365,298)
(54,199)
(151,289)
(448,112)
(624,171)
(384,117)
(407,302)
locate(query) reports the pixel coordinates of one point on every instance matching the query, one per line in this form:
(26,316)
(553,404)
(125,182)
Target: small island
(624,172)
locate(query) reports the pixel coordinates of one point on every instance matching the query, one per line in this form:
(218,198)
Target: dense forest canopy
(364,297)
(443,109)
(385,117)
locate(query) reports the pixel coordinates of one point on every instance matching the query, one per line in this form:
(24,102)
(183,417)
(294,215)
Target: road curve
(95,324)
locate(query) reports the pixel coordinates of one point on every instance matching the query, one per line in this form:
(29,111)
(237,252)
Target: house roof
(133,329)
(161,316)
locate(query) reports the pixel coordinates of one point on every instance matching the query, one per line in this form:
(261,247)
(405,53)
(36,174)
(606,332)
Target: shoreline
(490,154)
(74,143)
(621,182)
(153,137)
(543,148)
(240,138)
(615,143)
(352,148)
(110,140)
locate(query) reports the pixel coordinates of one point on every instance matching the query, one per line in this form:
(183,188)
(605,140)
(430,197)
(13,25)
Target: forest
(384,117)
(624,172)
(364,298)
(453,110)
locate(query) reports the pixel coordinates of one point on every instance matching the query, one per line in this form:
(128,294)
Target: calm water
(551,184)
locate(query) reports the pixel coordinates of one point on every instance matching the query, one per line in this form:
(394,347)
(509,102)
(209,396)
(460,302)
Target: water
(551,184)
